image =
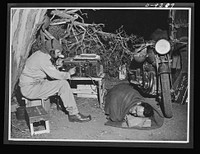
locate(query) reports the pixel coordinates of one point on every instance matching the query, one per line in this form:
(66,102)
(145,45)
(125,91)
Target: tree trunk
(24,25)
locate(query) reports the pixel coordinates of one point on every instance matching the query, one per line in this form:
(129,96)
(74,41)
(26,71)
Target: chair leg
(42,102)
(31,129)
(47,126)
(27,103)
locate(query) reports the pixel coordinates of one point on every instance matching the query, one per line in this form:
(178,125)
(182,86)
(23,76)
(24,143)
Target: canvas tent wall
(24,24)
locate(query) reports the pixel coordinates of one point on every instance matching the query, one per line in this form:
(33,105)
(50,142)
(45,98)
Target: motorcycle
(150,72)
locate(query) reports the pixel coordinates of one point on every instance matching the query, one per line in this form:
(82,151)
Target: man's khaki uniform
(34,83)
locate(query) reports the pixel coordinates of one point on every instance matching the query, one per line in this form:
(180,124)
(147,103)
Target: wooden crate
(94,89)
(89,91)
(36,114)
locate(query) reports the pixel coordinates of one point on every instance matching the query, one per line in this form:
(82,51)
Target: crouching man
(34,83)
(123,101)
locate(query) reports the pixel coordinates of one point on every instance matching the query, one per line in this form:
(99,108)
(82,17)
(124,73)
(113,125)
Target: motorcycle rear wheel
(166,95)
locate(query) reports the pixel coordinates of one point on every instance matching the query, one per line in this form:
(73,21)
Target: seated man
(34,83)
(122,100)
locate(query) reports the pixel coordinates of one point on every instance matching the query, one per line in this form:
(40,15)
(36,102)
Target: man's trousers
(46,88)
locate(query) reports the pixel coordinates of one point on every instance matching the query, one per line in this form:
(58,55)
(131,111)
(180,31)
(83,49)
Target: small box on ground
(138,121)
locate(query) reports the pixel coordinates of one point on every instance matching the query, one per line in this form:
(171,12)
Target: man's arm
(52,72)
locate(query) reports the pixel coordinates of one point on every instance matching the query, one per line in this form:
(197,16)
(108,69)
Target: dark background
(137,22)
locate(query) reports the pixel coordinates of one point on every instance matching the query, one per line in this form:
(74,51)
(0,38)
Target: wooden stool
(37,102)
(37,114)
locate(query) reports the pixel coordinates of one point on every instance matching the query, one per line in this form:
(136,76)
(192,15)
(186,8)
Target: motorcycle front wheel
(166,95)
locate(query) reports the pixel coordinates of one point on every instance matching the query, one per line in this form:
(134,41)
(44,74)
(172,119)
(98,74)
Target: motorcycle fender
(163,68)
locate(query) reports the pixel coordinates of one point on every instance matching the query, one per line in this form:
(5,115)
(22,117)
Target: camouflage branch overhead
(78,37)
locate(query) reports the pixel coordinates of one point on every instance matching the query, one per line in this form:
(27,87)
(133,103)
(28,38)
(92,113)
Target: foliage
(78,37)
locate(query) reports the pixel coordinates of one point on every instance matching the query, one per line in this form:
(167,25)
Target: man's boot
(79,118)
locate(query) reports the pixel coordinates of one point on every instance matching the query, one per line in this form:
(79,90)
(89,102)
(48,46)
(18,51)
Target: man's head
(142,110)
(54,48)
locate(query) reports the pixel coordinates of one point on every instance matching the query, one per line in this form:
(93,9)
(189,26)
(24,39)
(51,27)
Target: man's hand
(72,71)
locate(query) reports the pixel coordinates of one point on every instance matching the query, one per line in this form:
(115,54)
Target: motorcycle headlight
(162,46)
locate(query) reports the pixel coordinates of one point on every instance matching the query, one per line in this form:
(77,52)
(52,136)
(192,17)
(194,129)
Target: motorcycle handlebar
(149,43)
(144,45)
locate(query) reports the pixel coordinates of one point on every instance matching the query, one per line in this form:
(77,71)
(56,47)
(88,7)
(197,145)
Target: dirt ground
(174,129)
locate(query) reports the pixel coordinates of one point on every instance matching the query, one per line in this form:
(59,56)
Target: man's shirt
(38,66)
